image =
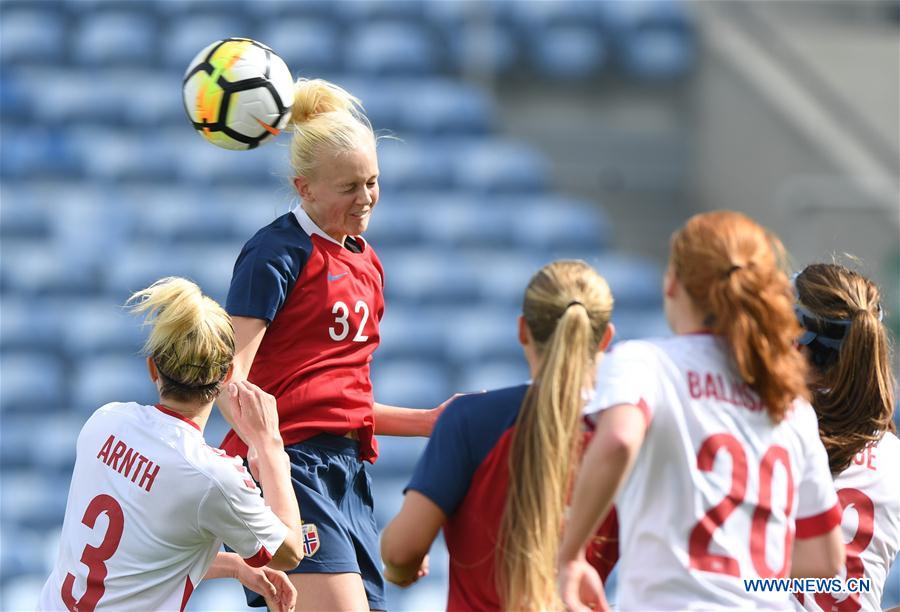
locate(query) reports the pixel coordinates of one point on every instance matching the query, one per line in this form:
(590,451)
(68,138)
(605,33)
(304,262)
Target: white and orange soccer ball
(238,93)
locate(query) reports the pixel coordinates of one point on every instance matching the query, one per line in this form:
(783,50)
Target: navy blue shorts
(335,496)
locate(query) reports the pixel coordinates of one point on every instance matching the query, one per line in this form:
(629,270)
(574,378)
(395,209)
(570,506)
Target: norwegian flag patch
(311,540)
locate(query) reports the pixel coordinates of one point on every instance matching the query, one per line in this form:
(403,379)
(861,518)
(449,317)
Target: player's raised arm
(248,334)
(398,421)
(605,466)
(256,417)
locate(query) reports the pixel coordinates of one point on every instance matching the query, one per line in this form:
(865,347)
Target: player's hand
(422,571)
(274,586)
(255,414)
(435,413)
(580,587)
(402,578)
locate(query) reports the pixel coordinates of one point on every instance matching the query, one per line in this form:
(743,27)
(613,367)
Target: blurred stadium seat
(415,383)
(390,48)
(553,222)
(411,332)
(41,268)
(487,375)
(31,382)
(308,47)
(414,281)
(186,37)
(478,335)
(413,164)
(396,455)
(634,323)
(498,167)
(27,326)
(103,327)
(209,266)
(29,220)
(569,52)
(442,107)
(115,38)
(97,381)
(19,560)
(32,34)
(635,282)
(365,12)
(32,503)
(460,220)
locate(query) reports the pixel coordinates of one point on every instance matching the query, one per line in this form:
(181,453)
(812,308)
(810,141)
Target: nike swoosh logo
(334,277)
(271,130)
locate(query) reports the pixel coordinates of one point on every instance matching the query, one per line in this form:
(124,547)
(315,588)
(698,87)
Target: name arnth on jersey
(122,458)
(707,385)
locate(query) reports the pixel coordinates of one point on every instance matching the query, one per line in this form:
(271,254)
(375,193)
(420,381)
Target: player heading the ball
(150,503)
(307,299)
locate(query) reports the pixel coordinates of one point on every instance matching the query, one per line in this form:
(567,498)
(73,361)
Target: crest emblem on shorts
(311,540)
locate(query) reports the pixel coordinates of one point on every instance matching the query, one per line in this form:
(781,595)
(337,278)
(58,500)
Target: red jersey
(323,302)
(465,471)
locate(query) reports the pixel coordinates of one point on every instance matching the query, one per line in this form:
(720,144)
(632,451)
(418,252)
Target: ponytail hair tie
(734,268)
(880,314)
(573,303)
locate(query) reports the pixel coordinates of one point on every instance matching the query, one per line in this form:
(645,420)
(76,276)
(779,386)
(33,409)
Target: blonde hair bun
(313,97)
(191,341)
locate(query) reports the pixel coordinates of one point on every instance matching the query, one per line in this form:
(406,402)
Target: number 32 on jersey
(343,323)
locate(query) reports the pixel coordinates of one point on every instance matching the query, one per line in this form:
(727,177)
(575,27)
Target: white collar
(309,226)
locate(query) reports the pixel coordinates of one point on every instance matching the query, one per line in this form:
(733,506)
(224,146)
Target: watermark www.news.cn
(807,585)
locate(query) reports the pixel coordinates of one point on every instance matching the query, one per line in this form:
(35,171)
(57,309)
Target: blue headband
(827,332)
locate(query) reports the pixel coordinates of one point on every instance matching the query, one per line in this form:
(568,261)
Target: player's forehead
(359,163)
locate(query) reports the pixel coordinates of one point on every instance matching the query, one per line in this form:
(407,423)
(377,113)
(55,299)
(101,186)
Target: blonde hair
(853,386)
(567,308)
(192,340)
(325,117)
(733,271)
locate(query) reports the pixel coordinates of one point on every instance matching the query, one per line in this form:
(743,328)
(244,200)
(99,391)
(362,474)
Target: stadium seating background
(105,188)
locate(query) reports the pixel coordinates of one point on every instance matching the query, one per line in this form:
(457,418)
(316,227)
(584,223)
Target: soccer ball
(238,93)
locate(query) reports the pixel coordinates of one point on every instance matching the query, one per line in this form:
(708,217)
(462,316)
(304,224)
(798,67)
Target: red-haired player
(705,441)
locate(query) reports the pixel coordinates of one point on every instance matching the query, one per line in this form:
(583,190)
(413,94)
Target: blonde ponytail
(325,117)
(192,340)
(567,309)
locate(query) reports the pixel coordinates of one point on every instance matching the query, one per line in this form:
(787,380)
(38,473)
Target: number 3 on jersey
(95,557)
(341,327)
(865,529)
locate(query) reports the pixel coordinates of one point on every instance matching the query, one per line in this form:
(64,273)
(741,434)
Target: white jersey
(717,487)
(869,491)
(149,506)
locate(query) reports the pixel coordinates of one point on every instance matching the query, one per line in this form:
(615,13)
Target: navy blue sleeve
(446,467)
(263,278)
